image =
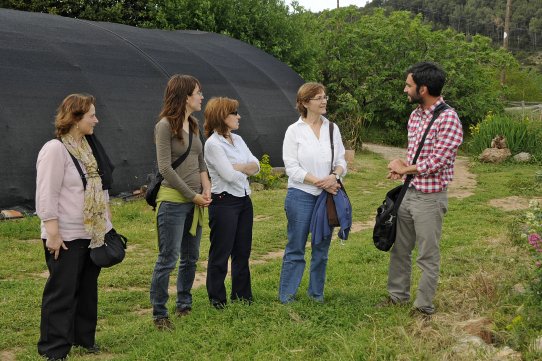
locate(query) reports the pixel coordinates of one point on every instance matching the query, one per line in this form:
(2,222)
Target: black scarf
(105,167)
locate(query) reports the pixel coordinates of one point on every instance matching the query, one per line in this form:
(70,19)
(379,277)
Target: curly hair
(71,111)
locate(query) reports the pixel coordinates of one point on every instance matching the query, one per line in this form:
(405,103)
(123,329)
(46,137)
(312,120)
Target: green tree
(365,59)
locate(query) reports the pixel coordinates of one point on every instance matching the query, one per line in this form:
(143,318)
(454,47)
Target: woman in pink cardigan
(75,217)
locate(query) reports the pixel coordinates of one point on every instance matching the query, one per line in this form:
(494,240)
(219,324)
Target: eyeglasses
(319,99)
(235,113)
(198,93)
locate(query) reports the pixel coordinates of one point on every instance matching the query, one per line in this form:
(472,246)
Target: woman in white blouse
(229,162)
(307,158)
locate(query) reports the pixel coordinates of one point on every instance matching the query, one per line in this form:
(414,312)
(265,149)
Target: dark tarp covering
(43,58)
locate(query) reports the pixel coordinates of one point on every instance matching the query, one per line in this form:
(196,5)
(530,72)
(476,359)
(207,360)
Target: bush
(266,176)
(533,235)
(522,135)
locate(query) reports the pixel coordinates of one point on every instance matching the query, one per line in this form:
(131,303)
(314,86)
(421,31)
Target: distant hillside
(485,17)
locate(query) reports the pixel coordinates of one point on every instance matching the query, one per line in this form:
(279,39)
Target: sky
(319,5)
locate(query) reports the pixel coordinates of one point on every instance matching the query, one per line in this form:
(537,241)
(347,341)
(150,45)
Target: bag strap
(438,110)
(331,143)
(181,159)
(79,169)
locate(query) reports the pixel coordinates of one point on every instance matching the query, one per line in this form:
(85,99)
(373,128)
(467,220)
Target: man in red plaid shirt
(419,218)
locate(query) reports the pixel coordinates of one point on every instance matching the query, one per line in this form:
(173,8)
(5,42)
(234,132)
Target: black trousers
(230,220)
(69,308)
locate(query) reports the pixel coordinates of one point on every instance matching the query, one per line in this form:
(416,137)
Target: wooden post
(506,34)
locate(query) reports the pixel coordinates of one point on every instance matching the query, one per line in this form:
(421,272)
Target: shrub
(522,135)
(533,235)
(266,176)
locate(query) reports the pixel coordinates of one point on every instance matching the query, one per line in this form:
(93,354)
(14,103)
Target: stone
(519,289)
(279,171)
(469,345)
(494,155)
(536,345)
(256,187)
(506,354)
(522,157)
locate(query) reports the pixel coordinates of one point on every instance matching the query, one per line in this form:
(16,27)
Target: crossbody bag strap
(79,169)
(331,127)
(439,109)
(181,159)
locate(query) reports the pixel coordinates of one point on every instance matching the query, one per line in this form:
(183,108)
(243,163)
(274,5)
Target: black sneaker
(180,312)
(94,349)
(388,301)
(421,313)
(219,305)
(163,324)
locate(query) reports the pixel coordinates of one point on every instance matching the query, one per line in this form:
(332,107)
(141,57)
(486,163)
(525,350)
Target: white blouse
(220,156)
(303,153)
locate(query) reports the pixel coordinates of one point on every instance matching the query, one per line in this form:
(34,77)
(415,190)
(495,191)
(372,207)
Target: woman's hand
(327,182)
(206,194)
(53,245)
(200,200)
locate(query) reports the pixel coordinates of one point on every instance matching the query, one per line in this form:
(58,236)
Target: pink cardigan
(60,193)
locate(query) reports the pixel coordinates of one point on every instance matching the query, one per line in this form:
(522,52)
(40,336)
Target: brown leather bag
(332,217)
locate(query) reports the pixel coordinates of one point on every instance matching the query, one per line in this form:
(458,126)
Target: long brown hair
(71,111)
(216,111)
(178,89)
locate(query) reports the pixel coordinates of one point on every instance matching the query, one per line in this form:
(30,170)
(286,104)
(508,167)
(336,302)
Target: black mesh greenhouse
(44,57)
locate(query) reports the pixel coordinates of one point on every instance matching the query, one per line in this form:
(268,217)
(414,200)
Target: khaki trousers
(419,222)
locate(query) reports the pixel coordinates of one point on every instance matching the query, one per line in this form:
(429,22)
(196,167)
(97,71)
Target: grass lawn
(480,266)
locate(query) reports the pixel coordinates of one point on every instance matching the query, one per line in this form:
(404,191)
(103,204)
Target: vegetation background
(361,55)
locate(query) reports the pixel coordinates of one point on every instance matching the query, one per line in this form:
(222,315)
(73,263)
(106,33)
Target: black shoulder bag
(385,227)
(156,179)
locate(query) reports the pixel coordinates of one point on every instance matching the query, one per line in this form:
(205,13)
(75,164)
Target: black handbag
(156,179)
(385,228)
(111,252)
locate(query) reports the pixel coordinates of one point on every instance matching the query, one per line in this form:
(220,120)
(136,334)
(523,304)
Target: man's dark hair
(429,74)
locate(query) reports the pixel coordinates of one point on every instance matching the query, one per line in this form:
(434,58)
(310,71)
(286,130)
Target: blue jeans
(174,221)
(299,206)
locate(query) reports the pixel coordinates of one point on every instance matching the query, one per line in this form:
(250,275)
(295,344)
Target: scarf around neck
(95,208)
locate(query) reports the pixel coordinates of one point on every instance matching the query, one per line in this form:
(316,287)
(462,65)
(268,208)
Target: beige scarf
(95,208)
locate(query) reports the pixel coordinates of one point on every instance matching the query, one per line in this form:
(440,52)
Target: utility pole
(506,34)
(337,4)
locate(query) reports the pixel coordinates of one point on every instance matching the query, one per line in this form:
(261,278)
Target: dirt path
(464,181)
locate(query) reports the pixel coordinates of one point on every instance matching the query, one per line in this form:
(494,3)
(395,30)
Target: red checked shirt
(435,163)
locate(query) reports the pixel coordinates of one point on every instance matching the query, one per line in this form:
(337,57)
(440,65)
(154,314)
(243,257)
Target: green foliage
(366,56)
(533,236)
(484,17)
(524,85)
(266,176)
(522,135)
